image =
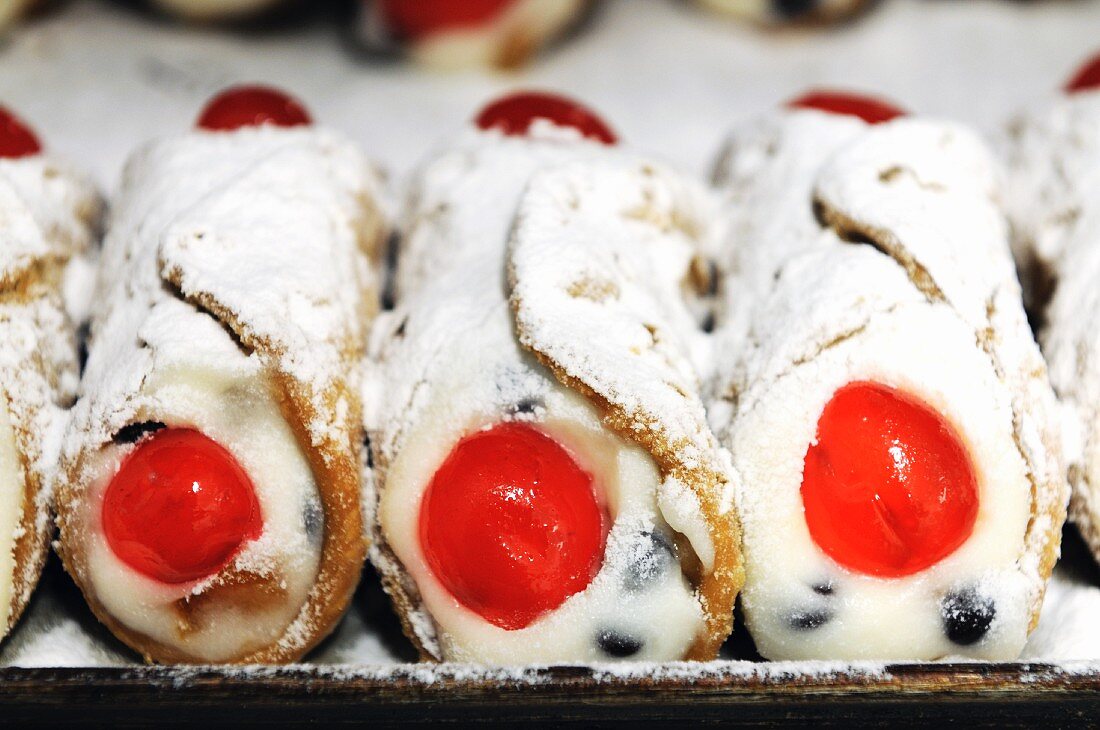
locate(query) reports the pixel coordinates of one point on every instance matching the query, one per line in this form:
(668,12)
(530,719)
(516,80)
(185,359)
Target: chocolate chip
(528,405)
(388,297)
(651,562)
(134,432)
(793,8)
(824,588)
(967,616)
(82,334)
(808,620)
(618,645)
(313,519)
(368,451)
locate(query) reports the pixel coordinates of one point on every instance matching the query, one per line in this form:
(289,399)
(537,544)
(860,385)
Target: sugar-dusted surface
(234,298)
(97,80)
(48,216)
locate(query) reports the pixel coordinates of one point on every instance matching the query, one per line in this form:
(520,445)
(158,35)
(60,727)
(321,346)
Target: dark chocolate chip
(659,555)
(313,518)
(82,334)
(823,589)
(528,405)
(793,8)
(388,297)
(618,645)
(134,432)
(967,616)
(808,620)
(369,451)
(713,277)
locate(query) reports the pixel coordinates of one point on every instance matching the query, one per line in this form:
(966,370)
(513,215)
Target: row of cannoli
(463,34)
(603,400)
(450,33)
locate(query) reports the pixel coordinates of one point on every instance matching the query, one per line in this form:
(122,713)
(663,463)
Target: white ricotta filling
(12,488)
(234,405)
(930,353)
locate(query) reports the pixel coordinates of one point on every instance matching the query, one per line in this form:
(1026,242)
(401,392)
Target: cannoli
(48,218)
(546,486)
(443,34)
(887,409)
(209,502)
(1053,154)
(782,12)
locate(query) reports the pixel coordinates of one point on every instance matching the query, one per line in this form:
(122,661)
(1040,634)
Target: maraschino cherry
(888,487)
(180,507)
(1087,77)
(252,106)
(869,109)
(415,19)
(16,138)
(511,526)
(515,113)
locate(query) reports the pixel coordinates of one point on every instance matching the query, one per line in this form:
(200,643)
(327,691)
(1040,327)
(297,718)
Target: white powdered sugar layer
(604,259)
(879,254)
(1053,155)
(48,219)
(233,281)
(450,364)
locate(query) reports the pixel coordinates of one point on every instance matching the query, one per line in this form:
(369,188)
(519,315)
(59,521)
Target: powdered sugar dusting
(49,219)
(879,253)
(1053,153)
(235,292)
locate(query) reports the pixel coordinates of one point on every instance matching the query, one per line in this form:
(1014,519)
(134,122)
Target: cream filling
(664,615)
(235,407)
(12,488)
(526,26)
(931,354)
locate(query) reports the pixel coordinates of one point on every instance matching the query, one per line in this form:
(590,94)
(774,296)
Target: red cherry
(16,138)
(870,110)
(1087,77)
(414,19)
(888,487)
(252,106)
(513,115)
(510,525)
(180,507)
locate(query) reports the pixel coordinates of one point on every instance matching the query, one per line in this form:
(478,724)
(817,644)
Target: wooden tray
(720,73)
(728,692)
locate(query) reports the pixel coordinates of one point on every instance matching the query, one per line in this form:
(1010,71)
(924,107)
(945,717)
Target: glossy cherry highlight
(515,113)
(511,526)
(252,106)
(869,109)
(180,507)
(16,138)
(1087,77)
(415,19)
(888,488)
